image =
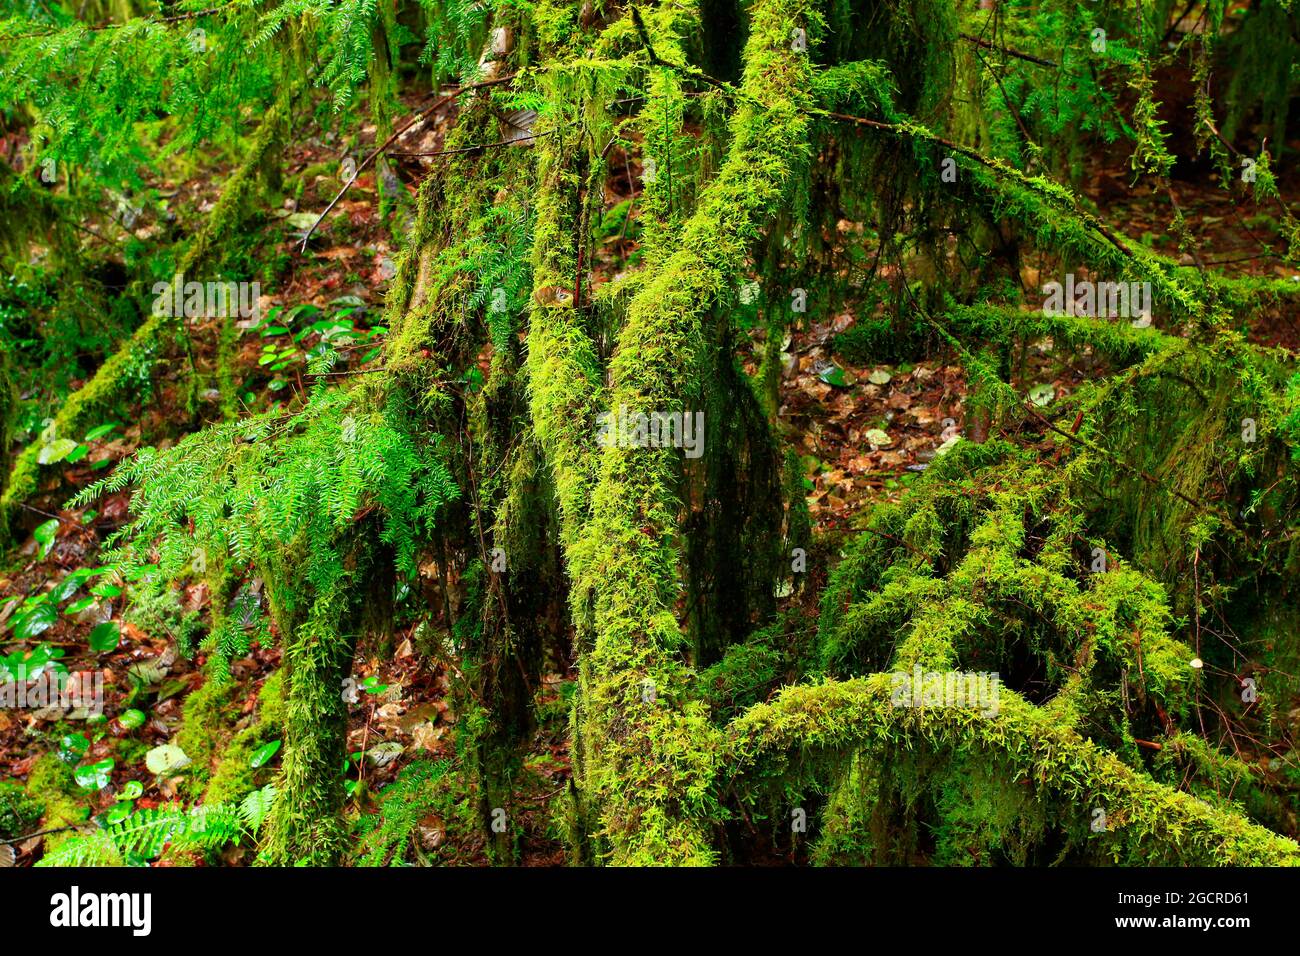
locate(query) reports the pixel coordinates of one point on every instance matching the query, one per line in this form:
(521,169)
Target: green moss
(845,836)
(50,782)
(1147,823)
(129,751)
(989,565)
(647,765)
(19,811)
(233,777)
(206,723)
(305,826)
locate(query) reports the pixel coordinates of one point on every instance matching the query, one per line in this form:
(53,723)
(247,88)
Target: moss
(647,764)
(988,565)
(8,408)
(233,777)
(305,826)
(208,716)
(889,340)
(19,811)
(749,671)
(50,782)
(129,751)
(1146,821)
(671,565)
(845,836)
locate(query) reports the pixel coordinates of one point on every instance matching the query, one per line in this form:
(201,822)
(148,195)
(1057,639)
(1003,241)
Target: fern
(148,832)
(240,492)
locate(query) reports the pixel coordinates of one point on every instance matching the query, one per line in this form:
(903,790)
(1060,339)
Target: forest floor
(864,432)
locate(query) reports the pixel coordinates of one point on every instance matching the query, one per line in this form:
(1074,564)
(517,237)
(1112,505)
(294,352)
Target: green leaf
(131,719)
(34,621)
(305,309)
(78,453)
(76,607)
(133,790)
(68,586)
(264,753)
(254,807)
(99,431)
(55,451)
(834,375)
(73,747)
(45,534)
(105,637)
(371,685)
(94,776)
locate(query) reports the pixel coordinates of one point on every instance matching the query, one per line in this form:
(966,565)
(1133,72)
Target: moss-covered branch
(1146,822)
(150,338)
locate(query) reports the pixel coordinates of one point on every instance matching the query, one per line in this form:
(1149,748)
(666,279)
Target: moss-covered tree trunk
(655,571)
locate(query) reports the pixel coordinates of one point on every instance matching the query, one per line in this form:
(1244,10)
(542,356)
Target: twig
(475,148)
(421,117)
(1027,57)
(29,836)
(973,155)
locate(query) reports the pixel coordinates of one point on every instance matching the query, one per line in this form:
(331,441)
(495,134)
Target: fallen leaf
(1042,395)
(165,759)
(878,438)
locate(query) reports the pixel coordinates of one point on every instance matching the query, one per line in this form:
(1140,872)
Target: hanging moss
(1146,821)
(8,407)
(646,761)
(703,717)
